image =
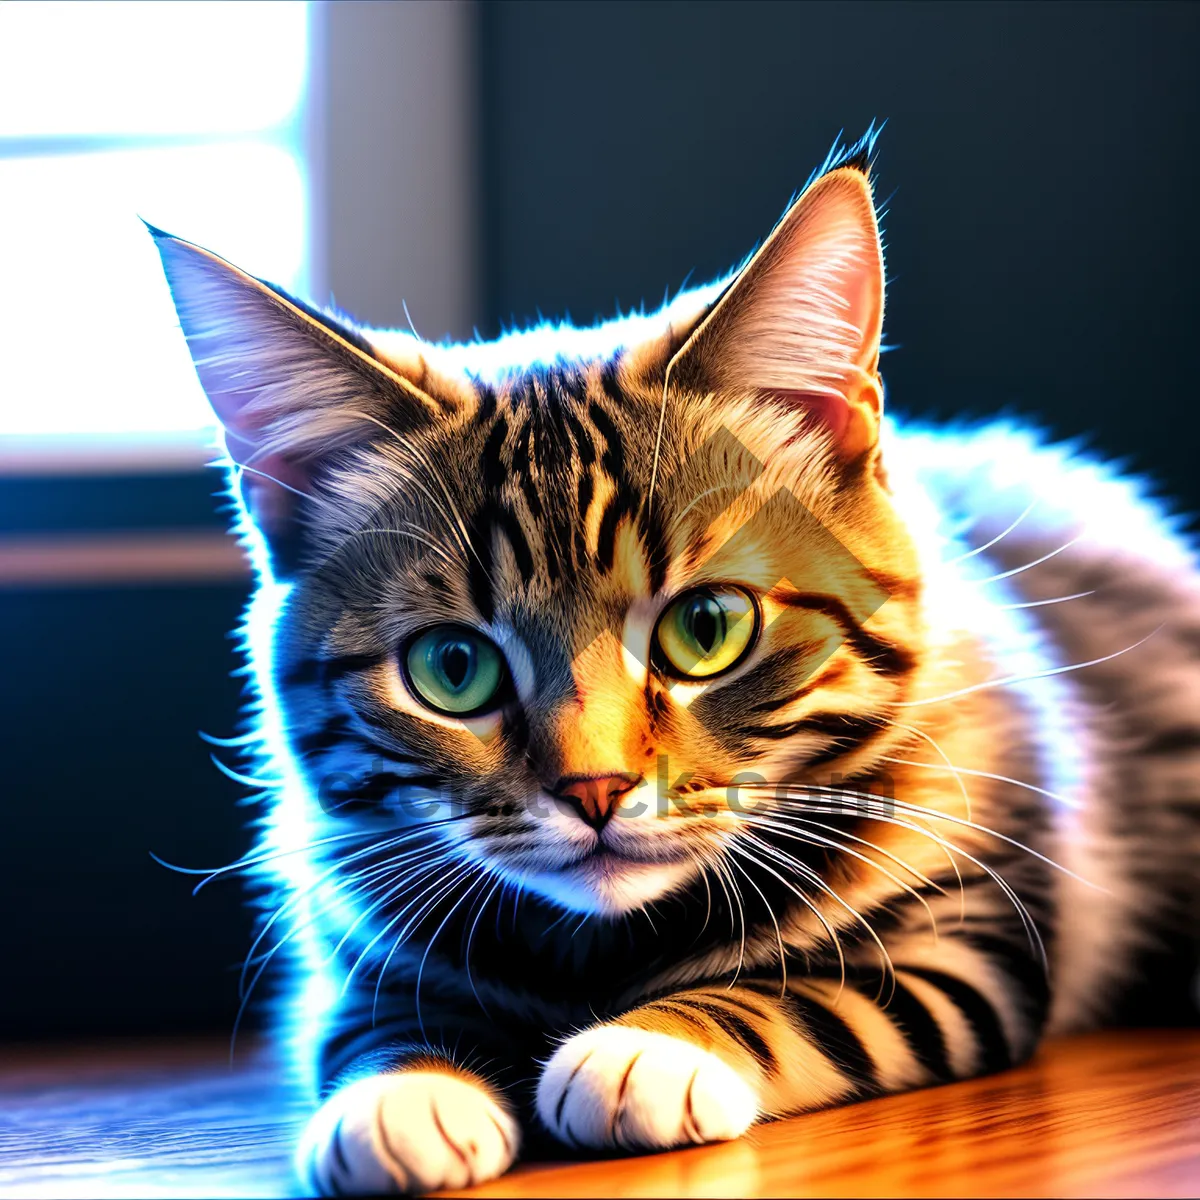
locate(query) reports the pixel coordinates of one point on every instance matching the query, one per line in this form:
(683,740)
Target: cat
(656,738)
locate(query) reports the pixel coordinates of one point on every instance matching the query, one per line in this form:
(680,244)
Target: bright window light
(127,69)
(189,115)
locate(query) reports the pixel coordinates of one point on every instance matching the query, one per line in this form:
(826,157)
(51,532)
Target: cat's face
(580,624)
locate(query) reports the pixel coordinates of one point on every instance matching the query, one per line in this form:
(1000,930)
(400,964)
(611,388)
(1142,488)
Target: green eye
(455,670)
(706,632)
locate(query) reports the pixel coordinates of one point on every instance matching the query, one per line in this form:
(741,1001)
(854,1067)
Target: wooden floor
(1111,1115)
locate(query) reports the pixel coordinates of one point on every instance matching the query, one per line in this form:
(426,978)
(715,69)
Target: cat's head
(604,608)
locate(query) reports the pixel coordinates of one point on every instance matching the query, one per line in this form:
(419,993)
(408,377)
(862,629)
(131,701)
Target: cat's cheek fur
(613,1086)
(411,1131)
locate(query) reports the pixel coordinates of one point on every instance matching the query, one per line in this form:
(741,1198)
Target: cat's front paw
(412,1131)
(633,1089)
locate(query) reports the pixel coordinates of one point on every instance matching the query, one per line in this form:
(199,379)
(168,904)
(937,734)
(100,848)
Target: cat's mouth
(611,882)
(606,853)
(600,858)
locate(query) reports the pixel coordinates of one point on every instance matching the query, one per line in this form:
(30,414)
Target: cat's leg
(404,1108)
(703,1064)
(420,1125)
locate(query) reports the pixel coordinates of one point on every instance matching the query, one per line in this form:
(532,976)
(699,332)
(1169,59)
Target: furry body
(897,840)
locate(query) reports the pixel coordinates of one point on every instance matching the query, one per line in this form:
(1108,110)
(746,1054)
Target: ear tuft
(857,156)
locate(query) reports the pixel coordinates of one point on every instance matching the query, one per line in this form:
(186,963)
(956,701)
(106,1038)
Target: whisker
(815,878)
(412,535)
(940,753)
(775,923)
(413,923)
(264,960)
(658,439)
(242,864)
(389,868)
(726,876)
(500,884)
(432,869)
(1029,565)
(1006,680)
(801,896)
(251,781)
(1043,603)
(261,962)
(708,898)
(480,878)
(933,814)
(815,839)
(677,519)
(231,743)
(783,792)
(242,468)
(247,991)
(1029,787)
(718,874)
(297,897)
(998,538)
(408,318)
(412,452)
(883,814)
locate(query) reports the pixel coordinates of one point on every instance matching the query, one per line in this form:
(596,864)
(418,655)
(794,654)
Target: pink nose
(595,797)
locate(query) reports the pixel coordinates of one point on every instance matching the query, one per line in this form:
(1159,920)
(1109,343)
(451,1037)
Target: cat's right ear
(800,324)
(291,387)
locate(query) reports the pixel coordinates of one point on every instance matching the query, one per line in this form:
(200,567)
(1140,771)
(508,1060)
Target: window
(191,115)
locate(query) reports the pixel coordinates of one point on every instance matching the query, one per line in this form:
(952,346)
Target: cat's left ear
(292,388)
(801,323)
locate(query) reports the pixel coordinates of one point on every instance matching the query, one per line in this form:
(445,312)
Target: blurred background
(483,162)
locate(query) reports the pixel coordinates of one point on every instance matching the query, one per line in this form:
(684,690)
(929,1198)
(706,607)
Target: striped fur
(888,849)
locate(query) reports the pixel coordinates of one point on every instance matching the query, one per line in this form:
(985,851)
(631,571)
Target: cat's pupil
(456,663)
(707,624)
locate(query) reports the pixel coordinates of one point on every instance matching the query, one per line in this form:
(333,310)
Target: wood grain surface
(1114,1114)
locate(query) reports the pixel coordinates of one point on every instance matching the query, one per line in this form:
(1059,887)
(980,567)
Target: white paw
(614,1086)
(413,1131)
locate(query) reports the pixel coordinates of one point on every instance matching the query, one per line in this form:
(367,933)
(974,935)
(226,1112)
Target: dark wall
(1037,166)
(103,692)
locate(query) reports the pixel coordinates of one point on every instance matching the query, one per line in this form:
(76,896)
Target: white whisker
(412,536)
(430,869)
(998,538)
(1007,680)
(464,872)
(1043,603)
(816,839)
(499,885)
(480,878)
(1031,930)
(775,923)
(1029,787)
(808,873)
(1029,565)
(940,753)
(932,814)
(457,524)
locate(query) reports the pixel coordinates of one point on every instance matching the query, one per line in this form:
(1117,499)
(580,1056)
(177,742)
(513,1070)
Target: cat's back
(1085,588)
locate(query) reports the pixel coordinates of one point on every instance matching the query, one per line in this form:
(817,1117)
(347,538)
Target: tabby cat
(656,740)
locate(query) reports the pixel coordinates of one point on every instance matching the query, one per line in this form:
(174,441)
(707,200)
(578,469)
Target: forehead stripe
(491,460)
(506,521)
(614,454)
(622,503)
(584,446)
